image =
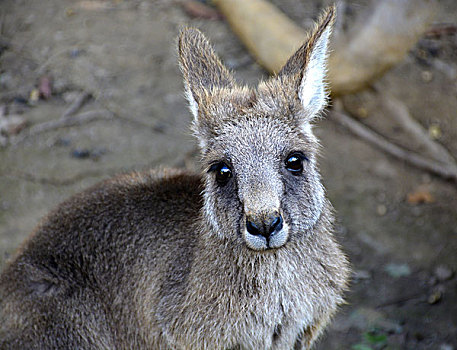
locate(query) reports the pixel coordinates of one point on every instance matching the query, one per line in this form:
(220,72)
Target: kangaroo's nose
(266,228)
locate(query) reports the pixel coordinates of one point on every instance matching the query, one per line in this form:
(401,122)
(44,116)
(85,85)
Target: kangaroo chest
(268,311)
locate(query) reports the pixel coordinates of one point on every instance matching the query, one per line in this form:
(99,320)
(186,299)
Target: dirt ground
(404,254)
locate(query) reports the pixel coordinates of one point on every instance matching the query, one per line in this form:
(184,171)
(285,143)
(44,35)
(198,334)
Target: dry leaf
(34,96)
(420,195)
(441,29)
(69,12)
(45,87)
(196,9)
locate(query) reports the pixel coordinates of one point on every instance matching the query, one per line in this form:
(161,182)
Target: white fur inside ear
(193,106)
(312,91)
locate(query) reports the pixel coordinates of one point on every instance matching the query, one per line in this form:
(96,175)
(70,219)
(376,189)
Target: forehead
(256,138)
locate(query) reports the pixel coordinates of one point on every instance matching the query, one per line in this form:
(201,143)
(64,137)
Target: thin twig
(77,104)
(400,300)
(400,112)
(118,114)
(446,171)
(63,122)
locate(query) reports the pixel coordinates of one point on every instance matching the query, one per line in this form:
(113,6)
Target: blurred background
(92,88)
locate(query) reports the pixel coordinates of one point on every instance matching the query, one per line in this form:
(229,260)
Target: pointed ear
(201,68)
(305,71)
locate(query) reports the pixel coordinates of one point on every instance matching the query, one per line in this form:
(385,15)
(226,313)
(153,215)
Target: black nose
(265,228)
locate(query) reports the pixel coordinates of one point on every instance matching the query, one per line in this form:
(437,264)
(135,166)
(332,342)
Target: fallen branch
(379,39)
(446,171)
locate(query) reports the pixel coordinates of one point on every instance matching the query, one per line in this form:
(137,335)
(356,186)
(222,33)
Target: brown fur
(165,259)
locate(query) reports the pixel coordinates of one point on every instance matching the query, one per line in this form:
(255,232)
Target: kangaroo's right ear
(201,68)
(304,73)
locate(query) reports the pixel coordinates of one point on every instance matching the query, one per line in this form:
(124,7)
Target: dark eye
(223,172)
(294,163)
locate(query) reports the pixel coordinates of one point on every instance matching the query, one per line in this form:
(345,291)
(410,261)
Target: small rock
(381,210)
(12,124)
(446,347)
(362,112)
(434,297)
(434,131)
(80,153)
(84,153)
(443,273)
(427,76)
(397,270)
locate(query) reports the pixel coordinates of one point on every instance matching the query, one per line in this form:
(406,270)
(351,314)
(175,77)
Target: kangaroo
(241,256)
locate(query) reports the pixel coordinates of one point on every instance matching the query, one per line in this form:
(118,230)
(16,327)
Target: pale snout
(265,231)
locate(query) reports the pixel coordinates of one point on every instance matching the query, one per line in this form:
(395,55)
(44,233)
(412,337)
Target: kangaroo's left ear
(201,67)
(305,71)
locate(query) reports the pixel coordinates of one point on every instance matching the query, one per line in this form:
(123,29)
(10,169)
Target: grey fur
(163,259)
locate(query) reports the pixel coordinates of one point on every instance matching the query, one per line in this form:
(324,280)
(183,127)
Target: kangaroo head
(262,186)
